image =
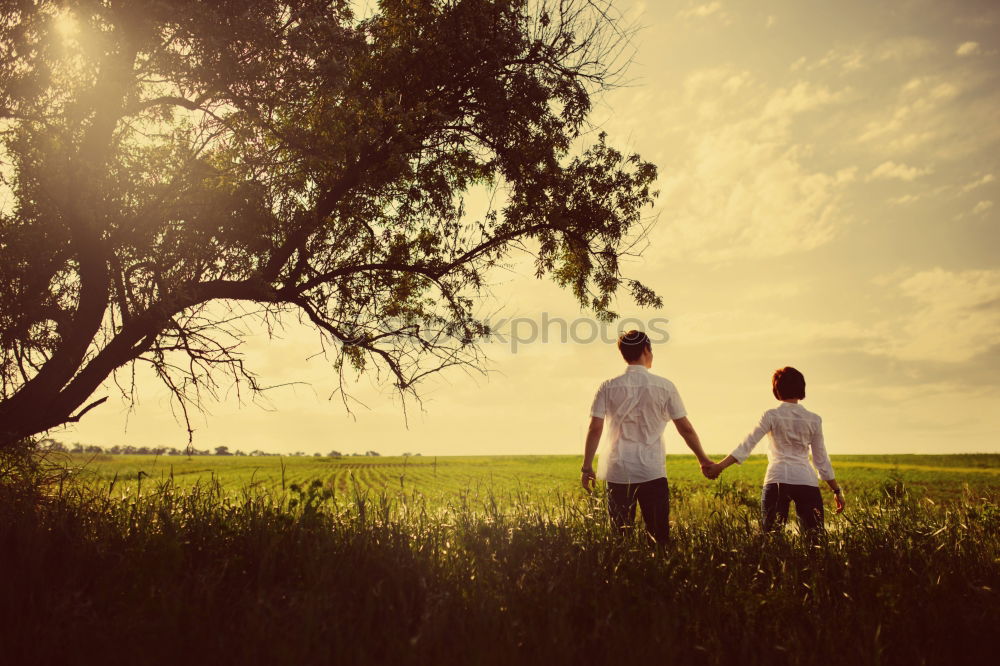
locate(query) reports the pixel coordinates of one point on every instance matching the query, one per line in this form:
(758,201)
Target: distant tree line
(50,444)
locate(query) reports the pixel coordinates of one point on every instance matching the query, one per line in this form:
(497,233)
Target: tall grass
(316,575)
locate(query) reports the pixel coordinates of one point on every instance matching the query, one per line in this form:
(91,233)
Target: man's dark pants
(775,499)
(653,498)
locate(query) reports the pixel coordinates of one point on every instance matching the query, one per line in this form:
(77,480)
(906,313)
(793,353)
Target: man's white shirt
(793,431)
(636,406)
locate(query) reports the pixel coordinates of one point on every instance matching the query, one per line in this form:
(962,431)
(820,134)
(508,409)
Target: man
(638,405)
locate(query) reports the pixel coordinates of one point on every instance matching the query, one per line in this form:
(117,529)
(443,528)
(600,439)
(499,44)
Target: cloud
(743,185)
(967,49)
(982,207)
(709,9)
(923,113)
(904,49)
(979,182)
(846,175)
(892,171)
(799,98)
(846,60)
(954,316)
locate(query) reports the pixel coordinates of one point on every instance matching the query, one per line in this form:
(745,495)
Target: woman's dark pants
(775,499)
(653,498)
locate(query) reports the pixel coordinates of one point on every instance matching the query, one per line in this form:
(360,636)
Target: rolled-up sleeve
(821,461)
(600,405)
(742,452)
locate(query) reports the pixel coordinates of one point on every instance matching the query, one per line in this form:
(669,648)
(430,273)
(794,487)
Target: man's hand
(589,479)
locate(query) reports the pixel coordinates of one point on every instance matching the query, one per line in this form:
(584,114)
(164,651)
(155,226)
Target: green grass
(438,479)
(488,561)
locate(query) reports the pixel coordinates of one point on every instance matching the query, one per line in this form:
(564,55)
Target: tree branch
(75,419)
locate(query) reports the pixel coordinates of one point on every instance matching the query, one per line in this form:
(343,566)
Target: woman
(794,431)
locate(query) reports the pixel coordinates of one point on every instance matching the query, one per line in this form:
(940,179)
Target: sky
(828,188)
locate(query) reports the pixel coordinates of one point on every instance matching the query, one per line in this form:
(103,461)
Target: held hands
(710,469)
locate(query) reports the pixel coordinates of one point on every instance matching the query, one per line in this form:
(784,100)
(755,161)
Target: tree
(49,444)
(222,451)
(179,169)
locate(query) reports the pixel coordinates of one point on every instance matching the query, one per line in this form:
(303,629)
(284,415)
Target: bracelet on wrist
(587,470)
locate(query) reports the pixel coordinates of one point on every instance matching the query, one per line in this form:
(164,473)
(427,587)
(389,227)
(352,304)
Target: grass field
(488,560)
(438,479)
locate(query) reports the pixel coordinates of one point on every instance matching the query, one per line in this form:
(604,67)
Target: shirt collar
(636,368)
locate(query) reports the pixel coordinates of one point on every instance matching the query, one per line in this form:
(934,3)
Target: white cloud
(891,170)
(979,182)
(905,49)
(982,207)
(702,11)
(847,174)
(847,60)
(923,114)
(800,97)
(744,186)
(955,316)
(904,200)
(967,49)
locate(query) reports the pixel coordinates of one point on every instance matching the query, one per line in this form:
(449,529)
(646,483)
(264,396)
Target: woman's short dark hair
(788,384)
(632,344)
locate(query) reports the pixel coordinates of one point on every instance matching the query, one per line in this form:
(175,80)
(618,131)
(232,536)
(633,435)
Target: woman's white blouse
(793,432)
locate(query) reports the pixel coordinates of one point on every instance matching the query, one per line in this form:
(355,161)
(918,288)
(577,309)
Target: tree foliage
(172,167)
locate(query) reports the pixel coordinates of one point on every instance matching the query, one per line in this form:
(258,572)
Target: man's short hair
(632,344)
(788,384)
